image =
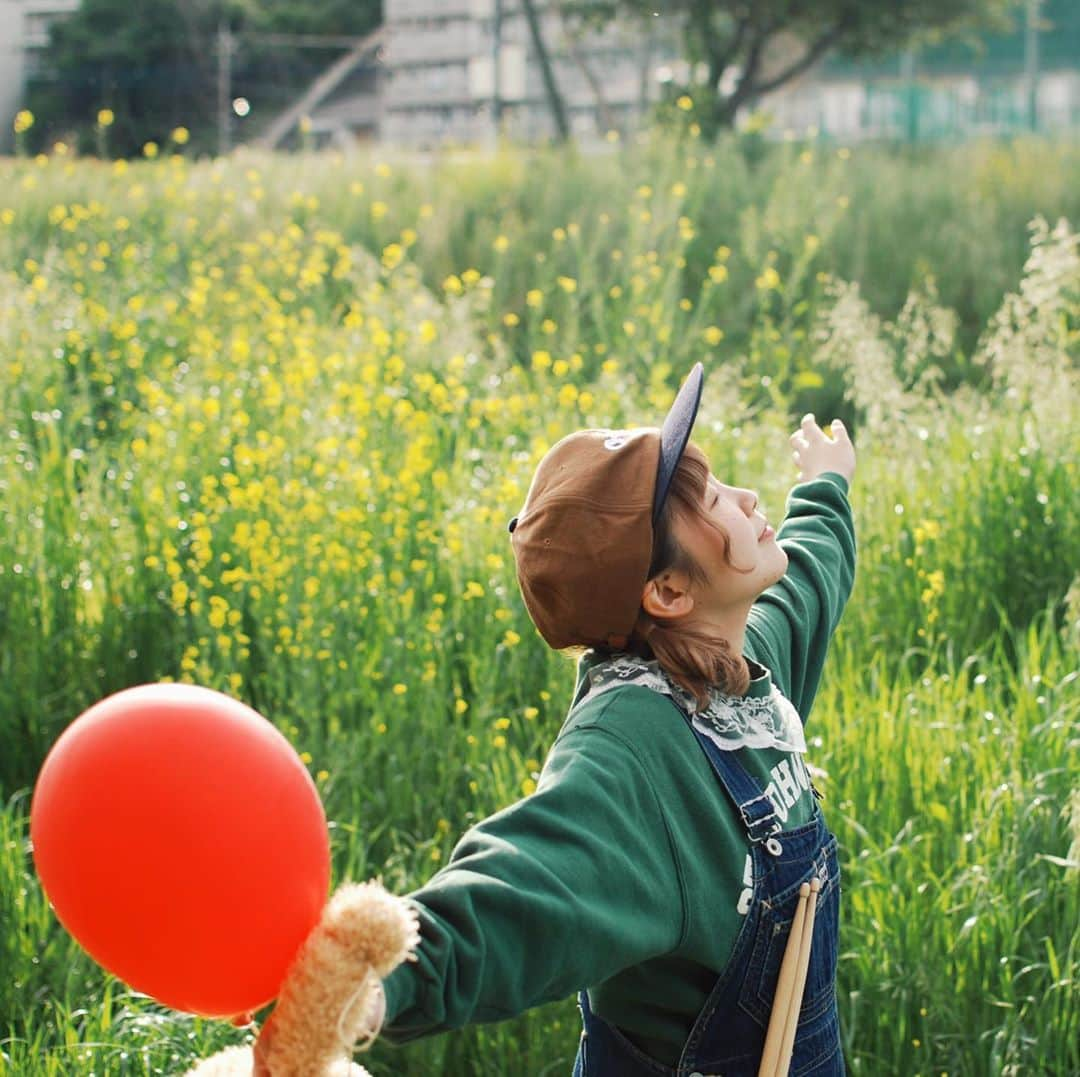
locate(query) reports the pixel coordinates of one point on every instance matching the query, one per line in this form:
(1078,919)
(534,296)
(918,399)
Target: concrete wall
(24,32)
(11,68)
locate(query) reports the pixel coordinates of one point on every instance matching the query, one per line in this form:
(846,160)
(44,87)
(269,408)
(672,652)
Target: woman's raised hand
(815,452)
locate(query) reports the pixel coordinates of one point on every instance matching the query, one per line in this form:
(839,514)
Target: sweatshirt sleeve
(792,622)
(554,894)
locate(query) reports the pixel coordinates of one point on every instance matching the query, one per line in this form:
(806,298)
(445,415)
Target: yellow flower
(400,689)
(511,320)
(105,117)
(718,274)
(768,280)
(502,723)
(935,586)
(685,102)
(568,284)
(541,360)
(713,335)
(498,741)
(24,120)
(528,787)
(534,297)
(180,135)
(150,149)
(460,706)
(930,529)
(501,243)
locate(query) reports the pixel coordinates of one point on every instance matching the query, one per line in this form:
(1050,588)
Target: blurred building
(455,71)
(24,34)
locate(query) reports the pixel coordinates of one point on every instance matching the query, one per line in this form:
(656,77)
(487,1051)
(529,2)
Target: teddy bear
(332,994)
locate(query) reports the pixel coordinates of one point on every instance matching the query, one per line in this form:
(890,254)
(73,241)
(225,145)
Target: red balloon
(182,842)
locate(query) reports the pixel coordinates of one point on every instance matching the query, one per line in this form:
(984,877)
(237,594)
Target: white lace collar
(730,722)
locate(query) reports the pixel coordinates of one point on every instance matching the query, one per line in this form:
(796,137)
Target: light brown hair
(694,658)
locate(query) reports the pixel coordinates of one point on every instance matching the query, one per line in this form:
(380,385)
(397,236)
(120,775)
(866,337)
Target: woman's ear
(668,595)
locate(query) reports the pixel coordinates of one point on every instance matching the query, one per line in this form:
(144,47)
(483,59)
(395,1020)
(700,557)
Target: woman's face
(756,560)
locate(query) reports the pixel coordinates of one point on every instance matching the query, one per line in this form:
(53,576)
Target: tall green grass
(264,421)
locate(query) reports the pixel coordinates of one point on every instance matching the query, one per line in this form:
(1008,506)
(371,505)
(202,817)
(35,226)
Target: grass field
(264,421)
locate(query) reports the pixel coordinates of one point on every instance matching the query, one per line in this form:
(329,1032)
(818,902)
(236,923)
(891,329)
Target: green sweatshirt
(622,872)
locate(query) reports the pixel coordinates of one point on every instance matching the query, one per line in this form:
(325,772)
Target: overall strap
(751,802)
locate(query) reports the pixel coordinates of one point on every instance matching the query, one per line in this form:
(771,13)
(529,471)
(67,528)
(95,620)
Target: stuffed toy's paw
(332,994)
(239,1062)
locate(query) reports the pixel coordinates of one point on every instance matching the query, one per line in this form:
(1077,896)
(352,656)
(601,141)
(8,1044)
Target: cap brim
(675,434)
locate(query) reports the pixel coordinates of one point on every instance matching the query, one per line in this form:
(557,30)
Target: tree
(734,43)
(150,64)
(153,64)
(547,72)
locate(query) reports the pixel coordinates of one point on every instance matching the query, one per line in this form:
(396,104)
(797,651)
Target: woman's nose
(748,501)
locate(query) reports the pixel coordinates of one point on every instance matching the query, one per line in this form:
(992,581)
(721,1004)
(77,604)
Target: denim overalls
(729,1034)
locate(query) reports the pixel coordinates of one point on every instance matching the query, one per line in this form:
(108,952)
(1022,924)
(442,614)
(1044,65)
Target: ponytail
(694,659)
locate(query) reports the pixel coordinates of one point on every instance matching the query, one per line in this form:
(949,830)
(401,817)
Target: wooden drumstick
(785,988)
(786,1048)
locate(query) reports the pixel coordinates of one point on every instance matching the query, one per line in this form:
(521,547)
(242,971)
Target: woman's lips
(766,534)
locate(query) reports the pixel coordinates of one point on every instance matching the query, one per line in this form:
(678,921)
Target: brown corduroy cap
(583,542)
